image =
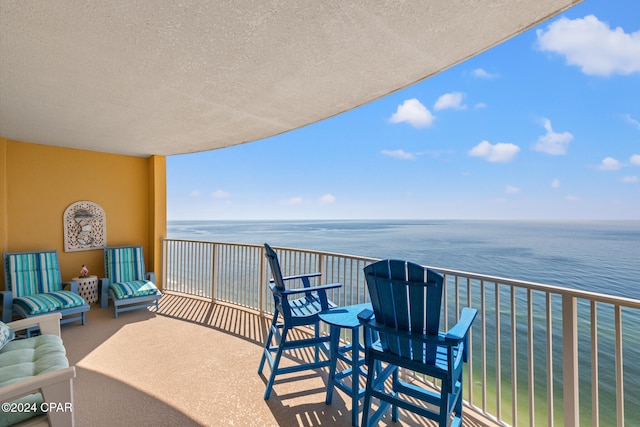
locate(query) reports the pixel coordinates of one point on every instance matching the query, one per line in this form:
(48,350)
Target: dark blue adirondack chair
(406,300)
(298,307)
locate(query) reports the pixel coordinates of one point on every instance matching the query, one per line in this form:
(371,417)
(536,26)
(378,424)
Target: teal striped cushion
(45,303)
(124,264)
(136,288)
(33,273)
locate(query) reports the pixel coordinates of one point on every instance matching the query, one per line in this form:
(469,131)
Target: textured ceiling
(145,77)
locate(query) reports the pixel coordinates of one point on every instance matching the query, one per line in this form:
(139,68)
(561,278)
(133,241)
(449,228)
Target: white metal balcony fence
(541,354)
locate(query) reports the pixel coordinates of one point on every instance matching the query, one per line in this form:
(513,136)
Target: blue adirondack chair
(406,300)
(300,311)
(34,287)
(127,284)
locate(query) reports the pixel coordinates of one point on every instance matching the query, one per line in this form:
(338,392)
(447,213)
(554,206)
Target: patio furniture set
(401,330)
(35,377)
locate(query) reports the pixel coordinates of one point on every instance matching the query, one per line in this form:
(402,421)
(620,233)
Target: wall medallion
(84,227)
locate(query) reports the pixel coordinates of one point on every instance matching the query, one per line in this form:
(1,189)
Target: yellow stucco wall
(38,182)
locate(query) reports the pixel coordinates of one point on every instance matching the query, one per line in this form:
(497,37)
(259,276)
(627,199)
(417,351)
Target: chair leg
(335,338)
(443,419)
(394,407)
(276,363)
(366,404)
(267,342)
(317,346)
(458,406)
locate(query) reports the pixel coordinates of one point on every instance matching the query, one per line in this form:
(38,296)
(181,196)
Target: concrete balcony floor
(193,363)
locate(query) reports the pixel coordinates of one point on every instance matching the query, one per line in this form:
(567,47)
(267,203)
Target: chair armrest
(48,323)
(461,329)
(151,276)
(365,315)
(7,306)
(302,276)
(73,286)
(36,383)
(104,292)
(306,290)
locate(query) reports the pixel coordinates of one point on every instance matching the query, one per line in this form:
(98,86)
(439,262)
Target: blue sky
(543,126)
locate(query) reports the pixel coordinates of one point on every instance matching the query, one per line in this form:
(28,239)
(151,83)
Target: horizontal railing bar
(553,289)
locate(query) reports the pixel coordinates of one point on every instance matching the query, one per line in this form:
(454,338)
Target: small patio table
(338,318)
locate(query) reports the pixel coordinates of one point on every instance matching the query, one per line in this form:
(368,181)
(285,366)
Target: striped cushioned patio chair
(34,287)
(127,284)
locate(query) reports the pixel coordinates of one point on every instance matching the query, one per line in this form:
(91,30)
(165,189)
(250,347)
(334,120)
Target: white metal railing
(540,354)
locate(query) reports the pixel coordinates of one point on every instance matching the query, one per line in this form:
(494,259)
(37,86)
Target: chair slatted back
(124,263)
(274,265)
(31,273)
(406,297)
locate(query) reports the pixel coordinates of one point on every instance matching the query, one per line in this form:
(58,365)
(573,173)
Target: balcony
(542,355)
(193,363)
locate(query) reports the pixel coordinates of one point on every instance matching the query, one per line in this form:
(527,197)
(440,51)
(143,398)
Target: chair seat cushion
(132,289)
(24,358)
(48,302)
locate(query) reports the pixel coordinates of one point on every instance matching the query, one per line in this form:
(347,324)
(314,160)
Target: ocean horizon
(593,255)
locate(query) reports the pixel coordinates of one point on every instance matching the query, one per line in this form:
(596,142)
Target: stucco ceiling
(164,77)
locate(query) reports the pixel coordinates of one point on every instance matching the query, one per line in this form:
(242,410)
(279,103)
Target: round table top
(93,276)
(344,317)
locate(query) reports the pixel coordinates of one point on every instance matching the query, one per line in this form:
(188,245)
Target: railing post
(321,268)
(164,265)
(570,361)
(263,280)
(214,265)
(619,367)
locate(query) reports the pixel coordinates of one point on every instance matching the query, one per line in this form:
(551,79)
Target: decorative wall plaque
(84,227)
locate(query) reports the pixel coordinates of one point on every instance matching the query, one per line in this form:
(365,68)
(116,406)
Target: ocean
(598,256)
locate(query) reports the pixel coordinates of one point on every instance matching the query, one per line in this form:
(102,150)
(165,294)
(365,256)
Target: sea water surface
(598,256)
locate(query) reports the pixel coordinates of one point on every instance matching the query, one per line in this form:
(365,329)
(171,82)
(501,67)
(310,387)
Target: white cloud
(480,105)
(555,183)
(609,164)
(553,143)
(220,194)
(413,112)
(633,121)
(498,153)
(482,74)
(398,154)
(629,179)
(294,201)
(451,100)
(195,193)
(572,198)
(635,159)
(511,190)
(327,199)
(593,46)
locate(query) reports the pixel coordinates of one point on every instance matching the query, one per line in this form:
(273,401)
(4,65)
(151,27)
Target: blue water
(599,256)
